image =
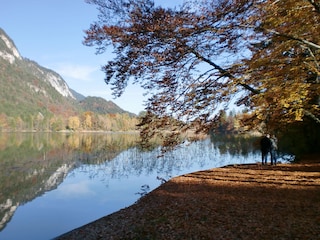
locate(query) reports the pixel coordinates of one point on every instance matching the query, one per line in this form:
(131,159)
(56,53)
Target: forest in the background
(86,121)
(34,98)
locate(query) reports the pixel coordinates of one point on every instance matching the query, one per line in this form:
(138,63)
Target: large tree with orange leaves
(284,66)
(196,59)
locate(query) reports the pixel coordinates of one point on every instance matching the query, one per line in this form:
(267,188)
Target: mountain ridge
(30,91)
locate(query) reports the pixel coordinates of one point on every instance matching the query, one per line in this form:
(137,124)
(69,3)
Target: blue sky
(50,32)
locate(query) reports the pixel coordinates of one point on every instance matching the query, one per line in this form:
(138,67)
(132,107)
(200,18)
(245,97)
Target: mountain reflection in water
(54,182)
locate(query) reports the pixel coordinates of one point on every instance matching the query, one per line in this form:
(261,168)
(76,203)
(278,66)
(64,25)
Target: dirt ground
(233,202)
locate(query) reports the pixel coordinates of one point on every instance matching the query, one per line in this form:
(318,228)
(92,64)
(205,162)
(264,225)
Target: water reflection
(62,181)
(31,164)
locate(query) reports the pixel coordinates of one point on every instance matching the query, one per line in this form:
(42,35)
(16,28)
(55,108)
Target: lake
(52,183)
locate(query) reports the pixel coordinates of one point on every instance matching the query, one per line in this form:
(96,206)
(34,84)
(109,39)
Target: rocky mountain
(30,91)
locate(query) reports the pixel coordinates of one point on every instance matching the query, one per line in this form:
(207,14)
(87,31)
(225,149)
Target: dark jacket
(265,144)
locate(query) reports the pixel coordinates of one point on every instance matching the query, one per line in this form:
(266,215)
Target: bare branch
(312,116)
(224,72)
(311,44)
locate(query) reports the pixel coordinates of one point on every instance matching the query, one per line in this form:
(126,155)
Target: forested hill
(36,98)
(101,106)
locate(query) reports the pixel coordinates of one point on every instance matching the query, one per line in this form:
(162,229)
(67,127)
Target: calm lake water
(52,183)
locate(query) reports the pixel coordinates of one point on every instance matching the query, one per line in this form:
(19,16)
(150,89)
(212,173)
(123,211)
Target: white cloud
(79,72)
(74,190)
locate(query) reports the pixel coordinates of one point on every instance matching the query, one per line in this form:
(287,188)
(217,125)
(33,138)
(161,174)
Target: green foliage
(300,138)
(26,96)
(28,102)
(100,105)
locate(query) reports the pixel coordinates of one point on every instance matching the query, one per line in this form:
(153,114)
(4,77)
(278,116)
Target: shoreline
(227,202)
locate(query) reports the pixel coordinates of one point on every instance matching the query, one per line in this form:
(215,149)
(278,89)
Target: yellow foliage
(299,115)
(74,123)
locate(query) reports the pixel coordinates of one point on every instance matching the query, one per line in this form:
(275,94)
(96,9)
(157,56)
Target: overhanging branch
(312,116)
(224,72)
(311,44)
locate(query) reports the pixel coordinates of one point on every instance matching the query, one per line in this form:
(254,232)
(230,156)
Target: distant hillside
(31,93)
(29,89)
(79,97)
(100,105)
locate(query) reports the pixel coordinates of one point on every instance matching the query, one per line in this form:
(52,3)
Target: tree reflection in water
(32,164)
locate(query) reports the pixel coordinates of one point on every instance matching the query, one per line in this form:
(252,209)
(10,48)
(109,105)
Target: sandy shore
(233,202)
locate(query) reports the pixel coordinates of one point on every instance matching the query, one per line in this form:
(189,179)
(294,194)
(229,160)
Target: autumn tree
(285,63)
(196,59)
(74,123)
(3,122)
(87,120)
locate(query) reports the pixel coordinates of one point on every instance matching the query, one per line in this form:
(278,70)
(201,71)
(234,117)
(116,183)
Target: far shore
(71,131)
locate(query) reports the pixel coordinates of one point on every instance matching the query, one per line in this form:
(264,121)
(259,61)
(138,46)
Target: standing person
(265,144)
(274,148)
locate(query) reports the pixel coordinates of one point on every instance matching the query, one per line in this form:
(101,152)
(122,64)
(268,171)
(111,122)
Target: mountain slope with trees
(34,98)
(100,105)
